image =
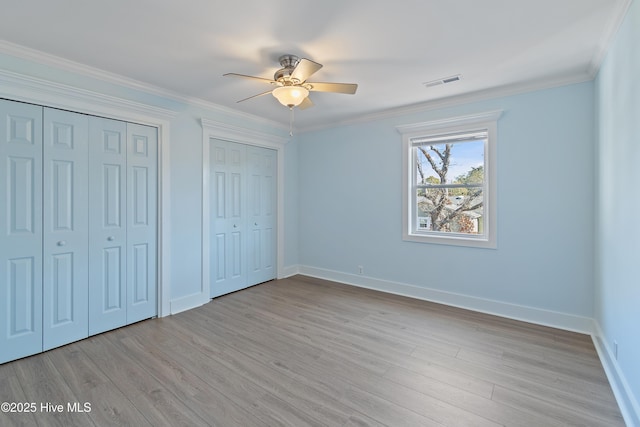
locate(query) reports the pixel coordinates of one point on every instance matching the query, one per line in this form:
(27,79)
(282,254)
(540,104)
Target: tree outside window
(450,181)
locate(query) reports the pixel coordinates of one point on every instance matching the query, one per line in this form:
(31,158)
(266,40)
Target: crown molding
(63,64)
(452,101)
(38,91)
(609,33)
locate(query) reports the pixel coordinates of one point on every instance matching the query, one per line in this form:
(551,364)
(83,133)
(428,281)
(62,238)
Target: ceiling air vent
(443,80)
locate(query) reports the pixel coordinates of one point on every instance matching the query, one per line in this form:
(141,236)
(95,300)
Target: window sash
(453,138)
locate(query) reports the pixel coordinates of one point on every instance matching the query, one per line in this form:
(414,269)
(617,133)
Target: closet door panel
(65,262)
(107,224)
(20,230)
(228,217)
(142,143)
(262,216)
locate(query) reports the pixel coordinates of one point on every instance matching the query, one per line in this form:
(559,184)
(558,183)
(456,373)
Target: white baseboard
(538,316)
(629,405)
(188,302)
(289,271)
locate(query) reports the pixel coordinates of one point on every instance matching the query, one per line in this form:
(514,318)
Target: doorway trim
(217,130)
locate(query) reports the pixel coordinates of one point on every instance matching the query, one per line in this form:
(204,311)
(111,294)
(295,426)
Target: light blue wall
(617,299)
(186,206)
(350,186)
(291,206)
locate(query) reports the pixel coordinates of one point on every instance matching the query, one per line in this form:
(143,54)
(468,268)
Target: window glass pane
(450,210)
(450,163)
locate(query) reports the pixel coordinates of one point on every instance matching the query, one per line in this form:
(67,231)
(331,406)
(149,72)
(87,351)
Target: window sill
(456,240)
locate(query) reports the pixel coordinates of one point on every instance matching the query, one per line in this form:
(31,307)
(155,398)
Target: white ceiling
(389,48)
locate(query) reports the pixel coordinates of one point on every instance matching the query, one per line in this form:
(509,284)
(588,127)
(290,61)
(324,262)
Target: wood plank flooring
(307,352)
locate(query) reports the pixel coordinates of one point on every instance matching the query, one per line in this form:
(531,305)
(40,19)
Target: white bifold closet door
(77,226)
(122,224)
(243,216)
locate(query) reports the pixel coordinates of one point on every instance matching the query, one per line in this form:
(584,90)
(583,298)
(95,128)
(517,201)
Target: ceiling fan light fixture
(290,96)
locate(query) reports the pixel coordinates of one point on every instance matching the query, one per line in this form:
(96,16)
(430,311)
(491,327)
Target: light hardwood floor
(303,351)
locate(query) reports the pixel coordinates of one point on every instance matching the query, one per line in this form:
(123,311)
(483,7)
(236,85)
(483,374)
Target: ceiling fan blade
(304,70)
(306,103)
(244,76)
(255,96)
(348,88)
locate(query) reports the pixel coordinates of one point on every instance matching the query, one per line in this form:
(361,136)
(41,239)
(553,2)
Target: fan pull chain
(291,121)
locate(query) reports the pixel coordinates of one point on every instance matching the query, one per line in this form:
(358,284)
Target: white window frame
(410,229)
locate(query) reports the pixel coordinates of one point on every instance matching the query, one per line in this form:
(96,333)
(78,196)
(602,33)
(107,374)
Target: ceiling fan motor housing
(288,63)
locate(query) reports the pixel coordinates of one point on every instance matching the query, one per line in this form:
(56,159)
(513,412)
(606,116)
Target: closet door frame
(56,95)
(217,130)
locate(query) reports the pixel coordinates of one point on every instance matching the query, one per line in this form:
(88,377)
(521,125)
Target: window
(450,186)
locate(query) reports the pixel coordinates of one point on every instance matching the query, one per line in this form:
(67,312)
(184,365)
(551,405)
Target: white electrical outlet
(360,269)
(615,349)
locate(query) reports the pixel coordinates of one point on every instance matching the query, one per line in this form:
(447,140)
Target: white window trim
(487,120)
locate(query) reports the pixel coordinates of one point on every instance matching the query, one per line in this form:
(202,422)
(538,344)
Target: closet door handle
(62,243)
(235,226)
(111,238)
(255,223)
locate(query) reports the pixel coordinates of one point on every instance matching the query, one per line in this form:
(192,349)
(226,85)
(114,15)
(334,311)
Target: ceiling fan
(291,85)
